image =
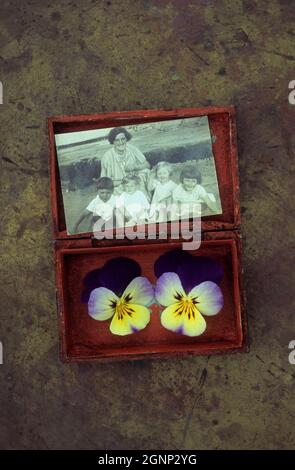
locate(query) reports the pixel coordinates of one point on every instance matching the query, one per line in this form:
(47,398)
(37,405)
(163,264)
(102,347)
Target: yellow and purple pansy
(118,291)
(187,287)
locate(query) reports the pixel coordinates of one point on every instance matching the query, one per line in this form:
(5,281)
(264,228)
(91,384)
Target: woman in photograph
(123,159)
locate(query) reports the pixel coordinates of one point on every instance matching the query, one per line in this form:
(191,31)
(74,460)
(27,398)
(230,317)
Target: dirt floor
(63,57)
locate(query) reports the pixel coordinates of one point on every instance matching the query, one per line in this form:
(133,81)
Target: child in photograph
(102,206)
(190,192)
(132,204)
(162,187)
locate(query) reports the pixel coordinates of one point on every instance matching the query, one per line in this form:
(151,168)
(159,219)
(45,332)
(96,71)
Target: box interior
(85,338)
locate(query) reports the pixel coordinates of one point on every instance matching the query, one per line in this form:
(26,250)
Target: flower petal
(170,261)
(168,289)
(91,281)
(180,323)
(192,270)
(117,273)
(171,320)
(136,321)
(101,303)
(197,269)
(139,291)
(209,298)
(92,278)
(193,326)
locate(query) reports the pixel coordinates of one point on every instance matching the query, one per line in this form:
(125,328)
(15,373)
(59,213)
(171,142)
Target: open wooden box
(83,339)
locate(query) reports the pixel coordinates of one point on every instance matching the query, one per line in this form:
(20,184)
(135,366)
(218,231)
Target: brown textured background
(74,57)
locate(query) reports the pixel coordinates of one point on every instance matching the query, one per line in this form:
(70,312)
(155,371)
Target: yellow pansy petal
(141,317)
(194,325)
(136,319)
(120,327)
(170,319)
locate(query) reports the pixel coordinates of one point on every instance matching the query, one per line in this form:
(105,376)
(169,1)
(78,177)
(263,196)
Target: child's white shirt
(189,199)
(102,209)
(162,197)
(162,190)
(196,195)
(135,204)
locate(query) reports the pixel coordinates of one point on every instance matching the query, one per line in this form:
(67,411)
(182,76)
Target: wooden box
(82,339)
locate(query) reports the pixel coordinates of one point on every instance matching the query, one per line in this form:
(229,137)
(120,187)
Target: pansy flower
(118,291)
(187,288)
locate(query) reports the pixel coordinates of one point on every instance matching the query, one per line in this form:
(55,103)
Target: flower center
(187,306)
(123,308)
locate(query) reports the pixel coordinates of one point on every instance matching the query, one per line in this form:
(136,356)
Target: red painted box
(83,339)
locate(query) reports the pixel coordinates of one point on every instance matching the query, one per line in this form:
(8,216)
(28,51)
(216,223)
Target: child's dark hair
(116,131)
(105,183)
(192,173)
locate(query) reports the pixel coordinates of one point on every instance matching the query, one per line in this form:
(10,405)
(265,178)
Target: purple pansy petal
(91,281)
(136,320)
(139,291)
(192,270)
(197,269)
(168,289)
(170,261)
(85,295)
(209,298)
(101,304)
(92,278)
(117,273)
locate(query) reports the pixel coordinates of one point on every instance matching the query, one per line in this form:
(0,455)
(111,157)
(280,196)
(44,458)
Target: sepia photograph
(138,174)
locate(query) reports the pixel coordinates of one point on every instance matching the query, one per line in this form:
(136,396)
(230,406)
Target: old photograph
(138,174)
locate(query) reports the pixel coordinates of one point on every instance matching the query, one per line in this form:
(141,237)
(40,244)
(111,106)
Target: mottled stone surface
(70,57)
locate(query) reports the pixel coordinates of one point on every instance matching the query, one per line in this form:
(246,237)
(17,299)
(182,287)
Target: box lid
(222,123)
